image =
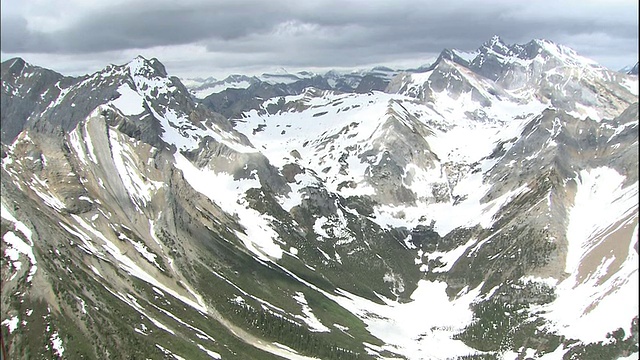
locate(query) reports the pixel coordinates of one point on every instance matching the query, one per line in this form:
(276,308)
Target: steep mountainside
(482,207)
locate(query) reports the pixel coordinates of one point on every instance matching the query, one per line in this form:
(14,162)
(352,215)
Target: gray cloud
(325,33)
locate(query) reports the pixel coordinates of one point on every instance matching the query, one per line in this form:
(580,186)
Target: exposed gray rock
(26,90)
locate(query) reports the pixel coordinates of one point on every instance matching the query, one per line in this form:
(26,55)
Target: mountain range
(484,206)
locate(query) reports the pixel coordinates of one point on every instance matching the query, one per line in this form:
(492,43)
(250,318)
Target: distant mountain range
(347,81)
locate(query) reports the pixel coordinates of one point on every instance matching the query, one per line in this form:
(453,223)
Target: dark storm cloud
(139,25)
(15,36)
(321,33)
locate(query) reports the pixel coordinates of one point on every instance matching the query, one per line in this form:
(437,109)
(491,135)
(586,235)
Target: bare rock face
(26,90)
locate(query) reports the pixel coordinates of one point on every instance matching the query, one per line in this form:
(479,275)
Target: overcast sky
(202,38)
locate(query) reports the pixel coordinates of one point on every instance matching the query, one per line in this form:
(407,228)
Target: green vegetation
(504,322)
(282,330)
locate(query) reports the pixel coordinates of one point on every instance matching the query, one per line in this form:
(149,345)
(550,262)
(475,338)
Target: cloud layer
(231,34)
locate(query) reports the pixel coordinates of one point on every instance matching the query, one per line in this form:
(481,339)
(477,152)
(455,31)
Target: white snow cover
(168,352)
(466,55)
(528,353)
(259,237)
(556,354)
(179,130)
(19,226)
(211,354)
(284,347)
(449,258)
(129,102)
(140,191)
(309,318)
(130,266)
(590,305)
(203,92)
(333,228)
(11,323)
(416,80)
(16,246)
(87,245)
(467,213)
(296,196)
(353,118)
(192,83)
(201,334)
(419,329)
(56,344)
(77,144)
(567,55)
(631,83)
(142,249)
(40,187)
(318,227)
(83,304)
(333,125)
(583,112)
(463,141)
(87,137)
(133,303)
(282,76)
(600,201)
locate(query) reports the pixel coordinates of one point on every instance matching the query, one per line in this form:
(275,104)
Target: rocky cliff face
(482,207)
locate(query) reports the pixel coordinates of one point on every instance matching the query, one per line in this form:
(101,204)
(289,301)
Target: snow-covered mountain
(201,88)
(232,97)
(482,207)
(361,81)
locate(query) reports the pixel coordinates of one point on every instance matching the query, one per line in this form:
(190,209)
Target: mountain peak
(141,66)
(496,44)
(563,53)
(549,45)
(17,65)
(495,39)
(16,62)
(279,71)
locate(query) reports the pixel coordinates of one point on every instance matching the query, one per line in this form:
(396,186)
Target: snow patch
(129,102)
(133,269)
(56,344)
(259,237)
(16,245)
(212,354)
(631,84)
(11,323)
(449,258)
(309,317)
(139,190)
(422,328)
(589,305)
